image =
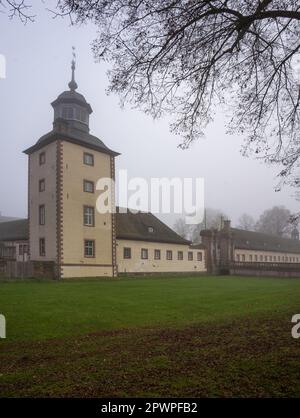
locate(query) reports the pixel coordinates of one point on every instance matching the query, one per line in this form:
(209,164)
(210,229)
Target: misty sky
(38,69)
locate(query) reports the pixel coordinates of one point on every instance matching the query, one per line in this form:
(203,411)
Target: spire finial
(73,85)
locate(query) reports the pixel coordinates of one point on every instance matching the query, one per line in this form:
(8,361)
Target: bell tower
(64,167)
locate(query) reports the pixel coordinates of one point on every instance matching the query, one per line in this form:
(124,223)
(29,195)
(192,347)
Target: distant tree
(275,221)
(246,222)
(212,220)
(182,228)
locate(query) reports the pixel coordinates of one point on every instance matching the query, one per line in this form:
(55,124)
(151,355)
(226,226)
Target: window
(180,255)
(88,186)
(23,249)
(42,214)
(88,216)
(144,254)
(261,258)
(243,257)
(42,247)
(199,256)
(255,257)
(88,159)
(127,253)
(190,256)
(169,255)
(266,258)
(156,254)
(42,158)
(89,248)
(68,112)
(42,185)
(251,257)
(150,229)
(237,257)
(80,114)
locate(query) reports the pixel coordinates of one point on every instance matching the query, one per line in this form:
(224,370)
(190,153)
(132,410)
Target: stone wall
(28,269)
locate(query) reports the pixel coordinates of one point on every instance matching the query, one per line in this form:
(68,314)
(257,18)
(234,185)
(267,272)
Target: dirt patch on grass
(255,358)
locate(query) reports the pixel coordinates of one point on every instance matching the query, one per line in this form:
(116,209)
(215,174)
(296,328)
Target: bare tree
(212,220)
(17,8)
(182,228)
(246,222)
(186,57)
(276,221)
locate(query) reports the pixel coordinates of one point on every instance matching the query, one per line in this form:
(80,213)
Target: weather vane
(73,85)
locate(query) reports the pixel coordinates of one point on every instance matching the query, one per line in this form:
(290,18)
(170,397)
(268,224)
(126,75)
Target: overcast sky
(38,69)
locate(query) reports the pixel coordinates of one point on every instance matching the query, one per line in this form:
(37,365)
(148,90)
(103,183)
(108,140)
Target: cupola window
(68,112)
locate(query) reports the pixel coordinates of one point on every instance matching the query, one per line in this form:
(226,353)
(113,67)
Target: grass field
(184,336)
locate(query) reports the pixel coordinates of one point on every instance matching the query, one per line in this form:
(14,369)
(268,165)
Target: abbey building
(63,225)
(65,236)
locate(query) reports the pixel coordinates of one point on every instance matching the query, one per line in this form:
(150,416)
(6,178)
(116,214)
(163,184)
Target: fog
(38,59)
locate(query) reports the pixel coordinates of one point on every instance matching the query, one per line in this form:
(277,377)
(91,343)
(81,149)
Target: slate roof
(7,218)
(131,226)
(135,226)
(75,136)
(199,246)
(14,230)
(250,240)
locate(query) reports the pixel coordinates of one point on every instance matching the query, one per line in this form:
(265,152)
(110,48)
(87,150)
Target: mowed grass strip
(243,357)
(43,310)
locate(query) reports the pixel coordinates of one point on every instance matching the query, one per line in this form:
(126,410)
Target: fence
(22,269)
(264,269)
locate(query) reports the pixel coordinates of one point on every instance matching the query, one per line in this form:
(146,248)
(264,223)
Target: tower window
(42,185)
(42,158)
(42,215)
(88,186)
(88,216)
(88,159)
(42,246)
(89,248)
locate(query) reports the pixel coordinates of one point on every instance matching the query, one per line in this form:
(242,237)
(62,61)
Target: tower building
(64,167)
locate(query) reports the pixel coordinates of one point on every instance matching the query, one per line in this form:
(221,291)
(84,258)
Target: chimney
(295,234)
(227,225)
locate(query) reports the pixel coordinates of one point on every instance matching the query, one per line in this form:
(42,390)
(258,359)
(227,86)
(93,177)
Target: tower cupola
(71,108)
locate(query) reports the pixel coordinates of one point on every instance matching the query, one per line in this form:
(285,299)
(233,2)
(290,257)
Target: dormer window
(150,229)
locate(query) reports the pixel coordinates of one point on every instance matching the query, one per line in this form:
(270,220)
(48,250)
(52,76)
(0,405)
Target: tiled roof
(250,240)
(75,136)
(144,226)
(14,230)
(131,226)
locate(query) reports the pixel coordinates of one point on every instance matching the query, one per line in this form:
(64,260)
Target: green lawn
(184,336)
